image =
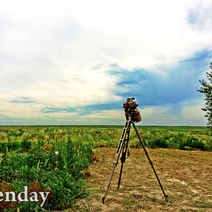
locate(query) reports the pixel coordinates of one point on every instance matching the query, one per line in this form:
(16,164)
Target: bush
(158,142)
(161,142)
(56,166)
(192,143)
(26,145)
(9,146)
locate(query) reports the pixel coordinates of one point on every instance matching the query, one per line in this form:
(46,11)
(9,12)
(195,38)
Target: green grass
(108,136)
(28,154)
(48,159)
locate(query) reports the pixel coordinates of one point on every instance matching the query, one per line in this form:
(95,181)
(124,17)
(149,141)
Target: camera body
(131,111)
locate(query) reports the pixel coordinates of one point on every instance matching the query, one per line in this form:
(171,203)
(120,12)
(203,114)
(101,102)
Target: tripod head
(131,111)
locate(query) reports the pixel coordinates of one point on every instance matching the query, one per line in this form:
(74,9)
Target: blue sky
(76,62)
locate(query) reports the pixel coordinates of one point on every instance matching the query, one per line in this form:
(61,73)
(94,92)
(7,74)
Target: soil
(185,176)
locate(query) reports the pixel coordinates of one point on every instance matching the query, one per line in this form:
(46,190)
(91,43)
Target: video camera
(130,108)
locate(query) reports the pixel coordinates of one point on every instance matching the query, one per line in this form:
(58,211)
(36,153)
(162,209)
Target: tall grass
(56,166)
(57,157)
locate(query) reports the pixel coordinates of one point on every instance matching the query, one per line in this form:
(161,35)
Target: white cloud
(58,52)
(186,114)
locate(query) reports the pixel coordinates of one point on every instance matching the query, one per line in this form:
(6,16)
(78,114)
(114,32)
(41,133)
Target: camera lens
(137,116)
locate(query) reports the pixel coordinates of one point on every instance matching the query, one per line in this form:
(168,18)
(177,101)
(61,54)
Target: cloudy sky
(76,61)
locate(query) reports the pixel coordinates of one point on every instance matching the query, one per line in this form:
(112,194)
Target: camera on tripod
(132,115)
(131,110)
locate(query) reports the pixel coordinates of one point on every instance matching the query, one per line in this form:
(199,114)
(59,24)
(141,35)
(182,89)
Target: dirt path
(185,175)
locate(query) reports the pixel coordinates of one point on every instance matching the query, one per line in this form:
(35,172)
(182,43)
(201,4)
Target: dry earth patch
(185,176)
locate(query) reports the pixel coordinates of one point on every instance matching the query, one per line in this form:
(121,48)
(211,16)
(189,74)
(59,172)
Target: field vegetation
(58,158)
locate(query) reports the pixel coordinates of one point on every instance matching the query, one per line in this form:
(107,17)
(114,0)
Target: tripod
(132,116)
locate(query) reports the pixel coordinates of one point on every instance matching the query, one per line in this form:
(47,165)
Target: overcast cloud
(76,62)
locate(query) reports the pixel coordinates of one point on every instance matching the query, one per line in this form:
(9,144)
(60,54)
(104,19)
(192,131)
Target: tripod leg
(123,157)
(118,152)
(124,153)
(142,143)
(108,186)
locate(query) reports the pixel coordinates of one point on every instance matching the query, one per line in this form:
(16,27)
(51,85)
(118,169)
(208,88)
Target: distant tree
(207,90)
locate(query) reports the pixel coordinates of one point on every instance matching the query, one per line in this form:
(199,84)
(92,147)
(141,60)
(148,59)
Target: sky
(74,62)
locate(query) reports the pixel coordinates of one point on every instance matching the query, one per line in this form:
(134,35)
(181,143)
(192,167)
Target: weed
(154,199)
(202,203)
(127,202)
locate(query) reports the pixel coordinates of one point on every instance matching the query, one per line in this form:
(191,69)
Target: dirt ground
(186,177)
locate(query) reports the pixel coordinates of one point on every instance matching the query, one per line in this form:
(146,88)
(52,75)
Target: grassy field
(69,161)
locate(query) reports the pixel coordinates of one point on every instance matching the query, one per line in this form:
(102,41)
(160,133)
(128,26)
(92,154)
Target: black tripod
(132,115)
